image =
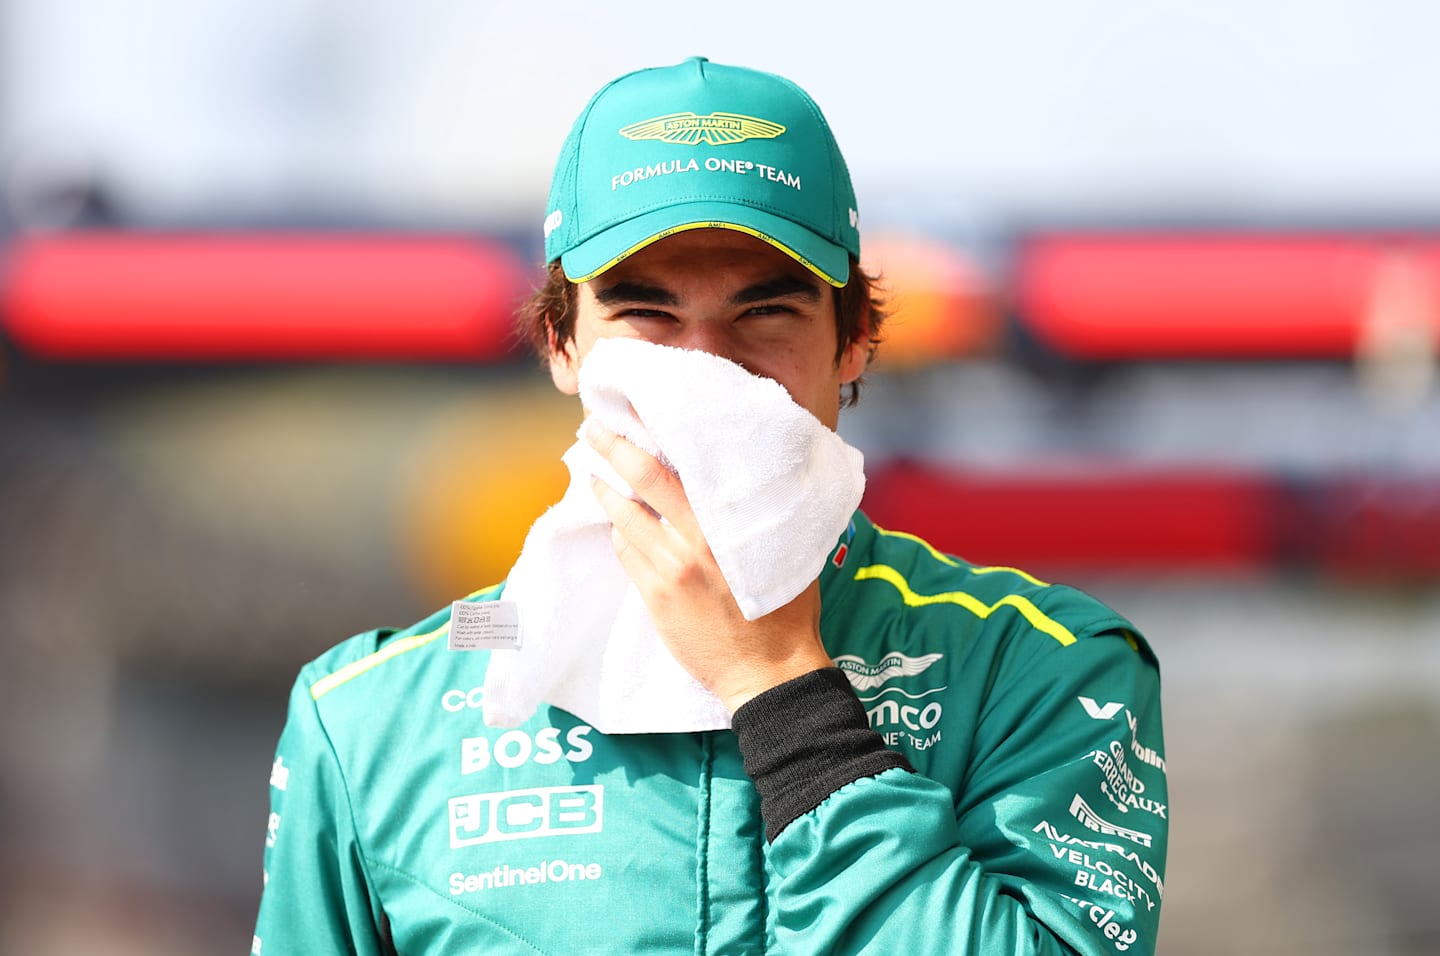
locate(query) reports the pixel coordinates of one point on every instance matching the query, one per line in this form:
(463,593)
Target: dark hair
(860,310)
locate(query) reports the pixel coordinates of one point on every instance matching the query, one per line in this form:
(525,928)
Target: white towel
(772,489)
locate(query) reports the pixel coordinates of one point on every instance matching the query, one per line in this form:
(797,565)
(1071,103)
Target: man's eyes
(772,308)
(769,309)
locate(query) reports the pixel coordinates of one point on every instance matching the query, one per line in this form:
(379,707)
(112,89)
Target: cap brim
(597,254)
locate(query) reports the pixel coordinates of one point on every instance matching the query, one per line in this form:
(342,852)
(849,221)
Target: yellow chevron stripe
(946,559)
(354,669)
(1016,571)
(942,558)
(404,645)
(1037,618)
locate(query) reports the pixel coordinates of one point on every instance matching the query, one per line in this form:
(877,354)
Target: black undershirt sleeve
(803,740)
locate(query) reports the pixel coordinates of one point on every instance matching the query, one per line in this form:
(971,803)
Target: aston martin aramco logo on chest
(717,129)
(865,676)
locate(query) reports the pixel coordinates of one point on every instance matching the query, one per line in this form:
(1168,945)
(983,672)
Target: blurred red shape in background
(1075,519)
(1138,295)
(281,296)
(1369,528)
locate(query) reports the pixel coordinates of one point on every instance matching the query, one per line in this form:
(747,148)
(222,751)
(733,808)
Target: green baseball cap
(701,145)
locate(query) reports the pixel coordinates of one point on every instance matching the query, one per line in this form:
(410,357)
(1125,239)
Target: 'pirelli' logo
(1089,819)
(521,814)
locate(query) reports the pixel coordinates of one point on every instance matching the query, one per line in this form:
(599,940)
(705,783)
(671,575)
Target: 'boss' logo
(515,748)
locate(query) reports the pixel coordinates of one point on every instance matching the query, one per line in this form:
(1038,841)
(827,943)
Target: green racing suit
(982,772)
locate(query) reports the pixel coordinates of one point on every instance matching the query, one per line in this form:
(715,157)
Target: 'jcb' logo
(520,814)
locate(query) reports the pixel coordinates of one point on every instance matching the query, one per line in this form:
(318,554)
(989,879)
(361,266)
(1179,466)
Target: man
(983,772)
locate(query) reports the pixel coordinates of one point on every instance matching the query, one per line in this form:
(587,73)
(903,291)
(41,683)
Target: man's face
(727,293)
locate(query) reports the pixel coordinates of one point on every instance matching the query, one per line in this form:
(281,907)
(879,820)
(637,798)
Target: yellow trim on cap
(665,233)
(1037,618)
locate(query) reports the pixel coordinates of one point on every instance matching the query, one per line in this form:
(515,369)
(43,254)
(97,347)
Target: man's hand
(685,592)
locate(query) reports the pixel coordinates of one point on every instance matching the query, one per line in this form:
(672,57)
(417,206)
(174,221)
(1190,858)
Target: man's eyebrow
(630,291)
(779,287)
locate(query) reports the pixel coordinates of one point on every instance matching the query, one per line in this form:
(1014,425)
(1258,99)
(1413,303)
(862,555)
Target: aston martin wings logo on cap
(717,129)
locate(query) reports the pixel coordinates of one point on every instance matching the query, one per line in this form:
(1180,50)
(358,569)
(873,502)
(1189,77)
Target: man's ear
(564,366)
(854,360)
(857,353)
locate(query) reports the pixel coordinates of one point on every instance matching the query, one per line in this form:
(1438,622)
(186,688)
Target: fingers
(657,538)
(633,528)
(661,562)
(655,485)
(661,547)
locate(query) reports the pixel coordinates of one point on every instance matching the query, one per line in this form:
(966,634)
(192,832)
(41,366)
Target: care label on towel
(484,625)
